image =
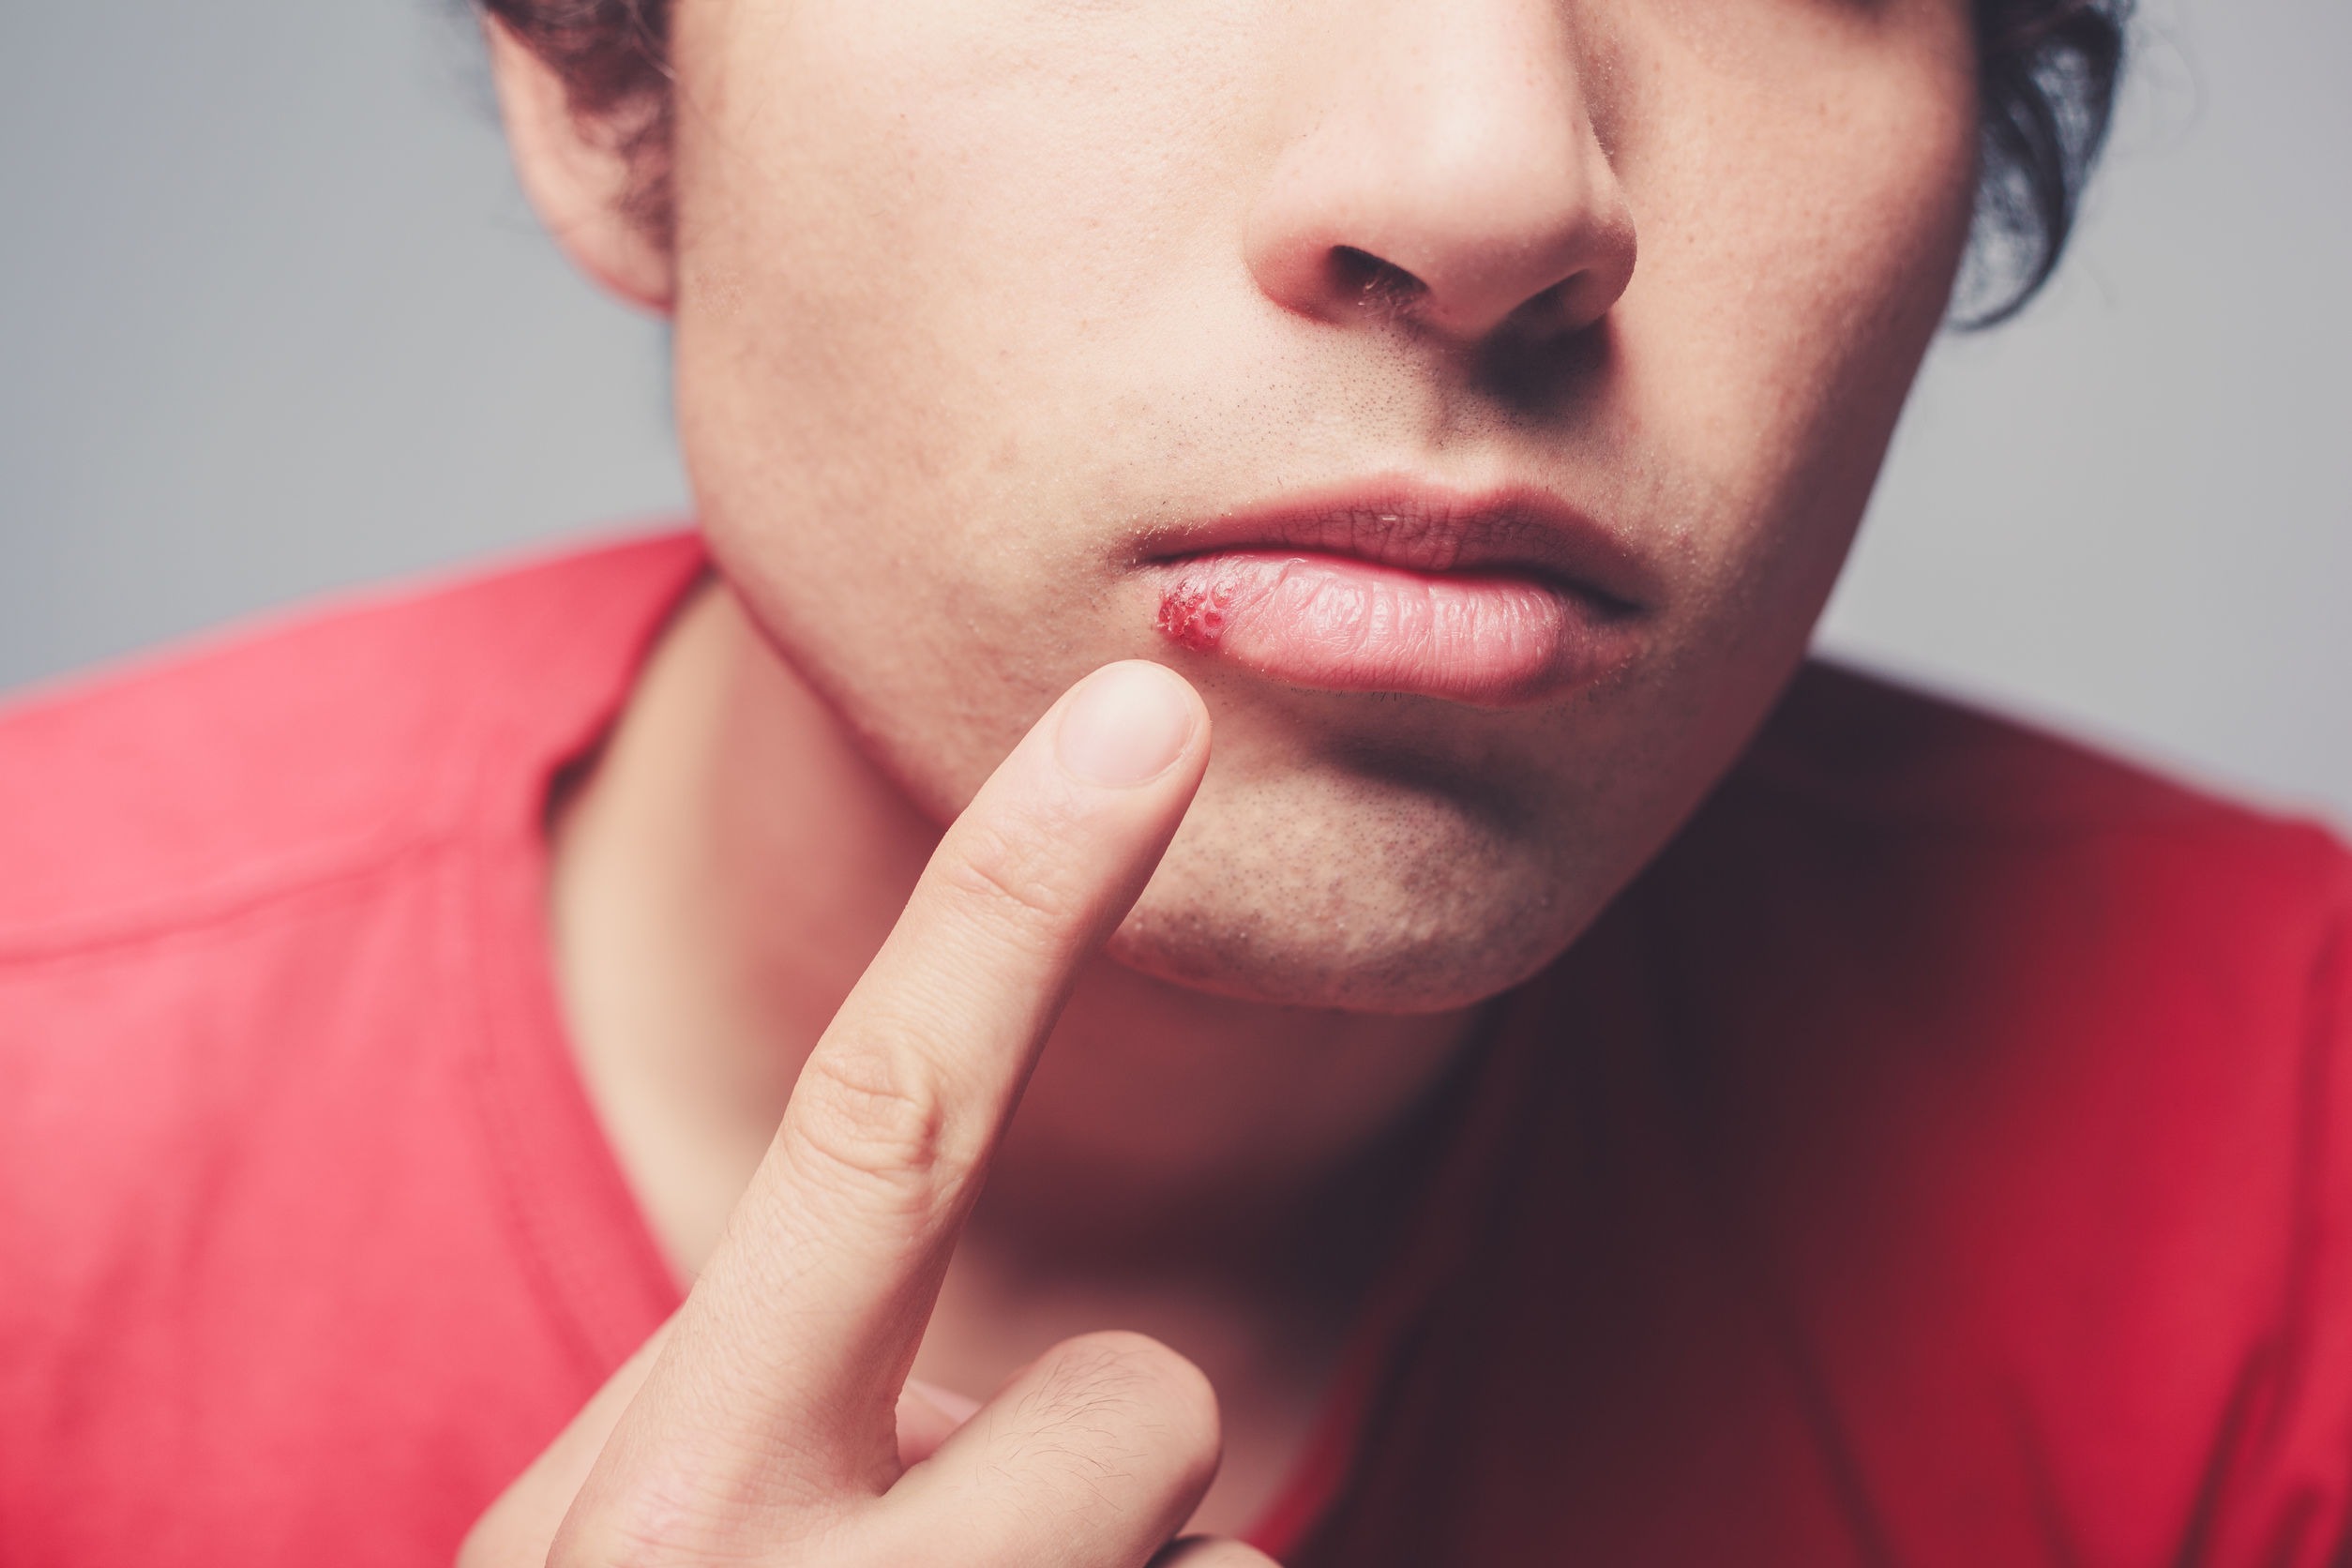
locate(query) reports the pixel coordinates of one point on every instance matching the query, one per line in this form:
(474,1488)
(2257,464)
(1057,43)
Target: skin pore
(973,302)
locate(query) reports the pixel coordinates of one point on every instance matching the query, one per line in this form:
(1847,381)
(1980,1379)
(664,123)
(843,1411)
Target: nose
(1444,167)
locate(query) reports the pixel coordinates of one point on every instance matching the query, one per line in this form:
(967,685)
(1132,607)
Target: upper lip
(1431,528)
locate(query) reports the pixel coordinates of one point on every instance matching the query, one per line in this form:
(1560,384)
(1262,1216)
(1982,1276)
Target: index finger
(784,1367)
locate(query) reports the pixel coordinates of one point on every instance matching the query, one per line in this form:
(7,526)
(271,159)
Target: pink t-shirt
(1941,1154)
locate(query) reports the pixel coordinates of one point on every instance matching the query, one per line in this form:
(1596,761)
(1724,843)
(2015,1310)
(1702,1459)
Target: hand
(771,1419)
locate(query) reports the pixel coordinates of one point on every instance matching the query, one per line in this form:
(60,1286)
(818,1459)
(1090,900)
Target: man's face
(1020,336)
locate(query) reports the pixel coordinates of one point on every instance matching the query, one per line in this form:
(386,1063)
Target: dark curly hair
(2046,76)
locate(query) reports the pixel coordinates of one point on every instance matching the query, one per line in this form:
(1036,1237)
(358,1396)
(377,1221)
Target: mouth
(1501,598)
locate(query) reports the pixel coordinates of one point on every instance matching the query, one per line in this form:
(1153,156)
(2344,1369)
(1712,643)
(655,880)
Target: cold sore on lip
(1345,623)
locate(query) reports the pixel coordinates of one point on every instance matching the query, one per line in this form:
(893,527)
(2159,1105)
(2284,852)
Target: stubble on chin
(1365,894)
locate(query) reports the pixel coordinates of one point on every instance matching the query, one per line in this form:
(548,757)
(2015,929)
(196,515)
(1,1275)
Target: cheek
(1804,210)
(934,201)
(1803,202)
(911,240)
(1802,221)
(925,252)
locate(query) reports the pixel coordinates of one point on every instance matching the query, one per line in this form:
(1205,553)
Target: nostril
(1544,316)
(1363,278)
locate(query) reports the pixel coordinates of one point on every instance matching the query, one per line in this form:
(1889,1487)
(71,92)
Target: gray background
(273,319)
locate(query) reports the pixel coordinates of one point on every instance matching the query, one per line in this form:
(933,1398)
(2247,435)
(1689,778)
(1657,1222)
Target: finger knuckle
(1012,881)
(876,1118)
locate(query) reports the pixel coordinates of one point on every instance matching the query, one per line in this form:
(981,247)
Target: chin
(1387,905)
(1249,964)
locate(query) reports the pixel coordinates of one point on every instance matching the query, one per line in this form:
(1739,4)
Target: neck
(724,873)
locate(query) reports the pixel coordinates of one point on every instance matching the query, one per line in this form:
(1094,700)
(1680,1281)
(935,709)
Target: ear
(575,170)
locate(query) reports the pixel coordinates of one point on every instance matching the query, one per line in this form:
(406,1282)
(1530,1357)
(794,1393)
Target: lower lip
(1339,624)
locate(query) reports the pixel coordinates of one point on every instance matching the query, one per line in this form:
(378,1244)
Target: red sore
(1192,615)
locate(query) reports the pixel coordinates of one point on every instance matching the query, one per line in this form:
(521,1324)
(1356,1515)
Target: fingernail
(1127,724)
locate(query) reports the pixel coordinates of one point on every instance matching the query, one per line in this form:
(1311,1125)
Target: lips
(1499,599)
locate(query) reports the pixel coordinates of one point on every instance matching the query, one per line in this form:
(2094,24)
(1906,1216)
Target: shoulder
(1930,884)
(1846,740)
(1978,812)
(287,1131)
(279,755)
(2034,1063)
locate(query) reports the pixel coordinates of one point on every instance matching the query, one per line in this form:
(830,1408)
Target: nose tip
(1448,260)
(1460,190)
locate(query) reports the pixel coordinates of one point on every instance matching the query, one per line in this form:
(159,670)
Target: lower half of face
(1016,338)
